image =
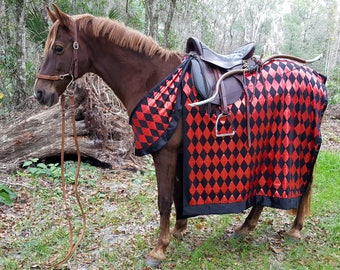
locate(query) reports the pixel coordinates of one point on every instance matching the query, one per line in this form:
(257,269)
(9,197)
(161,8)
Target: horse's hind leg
(303,209)
(181,224)
(250,222)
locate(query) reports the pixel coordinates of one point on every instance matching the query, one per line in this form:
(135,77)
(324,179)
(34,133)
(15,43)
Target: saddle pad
(224,175)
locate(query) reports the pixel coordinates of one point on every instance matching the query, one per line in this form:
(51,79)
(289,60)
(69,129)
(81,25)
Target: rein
(72,246)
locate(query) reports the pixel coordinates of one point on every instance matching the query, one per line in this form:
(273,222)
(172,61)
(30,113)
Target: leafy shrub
(40,169)
(36,169)
(6,195)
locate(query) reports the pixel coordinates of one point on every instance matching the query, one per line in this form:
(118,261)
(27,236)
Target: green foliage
(148,174)
(1,97)
(333,86)
(96,8)
(114,14)
(6,195)
(36,26)
(37,169)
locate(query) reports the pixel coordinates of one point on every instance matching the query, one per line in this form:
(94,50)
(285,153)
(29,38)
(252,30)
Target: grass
(123,227)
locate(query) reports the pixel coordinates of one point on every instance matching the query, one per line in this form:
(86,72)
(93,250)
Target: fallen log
(102,129)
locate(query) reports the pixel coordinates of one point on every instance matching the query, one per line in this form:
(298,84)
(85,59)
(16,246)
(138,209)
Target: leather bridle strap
(73,71)
(52,78)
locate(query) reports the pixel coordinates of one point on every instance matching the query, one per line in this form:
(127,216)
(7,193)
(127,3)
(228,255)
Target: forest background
(303,28)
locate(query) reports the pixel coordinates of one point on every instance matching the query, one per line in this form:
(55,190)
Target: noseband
(73,66)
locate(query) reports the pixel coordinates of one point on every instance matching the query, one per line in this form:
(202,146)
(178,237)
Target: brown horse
(131,64)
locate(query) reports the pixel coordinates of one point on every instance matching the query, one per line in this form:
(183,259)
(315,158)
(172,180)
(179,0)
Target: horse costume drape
(223,174)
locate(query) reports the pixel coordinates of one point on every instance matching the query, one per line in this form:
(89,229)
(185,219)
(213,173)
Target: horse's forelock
(51,37)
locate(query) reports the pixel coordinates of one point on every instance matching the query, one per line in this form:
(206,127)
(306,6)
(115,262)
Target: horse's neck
(129,74)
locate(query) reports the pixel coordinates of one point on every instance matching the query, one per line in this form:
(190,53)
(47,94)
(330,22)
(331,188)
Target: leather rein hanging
(72,246)
(73,73)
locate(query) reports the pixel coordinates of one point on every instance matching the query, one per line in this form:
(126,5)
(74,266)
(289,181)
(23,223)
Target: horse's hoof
(241,232)
(294,234)
(238,235)
(178,235)
(152,262)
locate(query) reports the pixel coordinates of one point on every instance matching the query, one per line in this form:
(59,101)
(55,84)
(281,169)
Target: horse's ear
(51,14)
(63,18)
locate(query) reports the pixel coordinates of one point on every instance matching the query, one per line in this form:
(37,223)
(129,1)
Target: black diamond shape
(204,195)
(220,195)
(195,168)
(244,166)
(278,77)
(228,194)
(159,126)
(196,196)
(212,196)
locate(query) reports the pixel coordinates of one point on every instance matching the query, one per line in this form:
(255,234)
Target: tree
(167,26)
(159,15)
(151,18)
(20,48)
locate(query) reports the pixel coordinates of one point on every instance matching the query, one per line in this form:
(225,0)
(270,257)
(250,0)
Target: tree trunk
(151,18)
(167,26)
(20,51)
(103,135)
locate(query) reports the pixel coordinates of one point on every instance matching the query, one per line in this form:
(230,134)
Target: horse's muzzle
(44,98)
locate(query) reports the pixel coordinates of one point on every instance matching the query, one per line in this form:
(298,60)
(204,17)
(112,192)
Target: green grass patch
(327,183)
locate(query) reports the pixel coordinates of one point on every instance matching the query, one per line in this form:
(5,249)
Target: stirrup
(218,120)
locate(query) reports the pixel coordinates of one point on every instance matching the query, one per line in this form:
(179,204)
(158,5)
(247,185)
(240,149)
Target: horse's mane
(117,33)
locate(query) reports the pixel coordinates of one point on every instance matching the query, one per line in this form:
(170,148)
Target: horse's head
(63,54)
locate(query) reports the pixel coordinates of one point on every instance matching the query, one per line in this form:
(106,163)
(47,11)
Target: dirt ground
(331,129)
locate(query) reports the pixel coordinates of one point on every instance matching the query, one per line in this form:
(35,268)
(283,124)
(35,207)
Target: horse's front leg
(165,165)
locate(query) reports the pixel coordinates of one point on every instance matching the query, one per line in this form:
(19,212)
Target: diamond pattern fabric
(271,167)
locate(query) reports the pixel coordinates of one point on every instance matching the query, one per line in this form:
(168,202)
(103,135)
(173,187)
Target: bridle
(73,71)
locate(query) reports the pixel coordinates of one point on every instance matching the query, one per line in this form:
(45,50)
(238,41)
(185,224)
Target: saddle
(207,67)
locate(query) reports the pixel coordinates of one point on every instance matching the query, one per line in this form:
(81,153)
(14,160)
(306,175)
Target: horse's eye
(59,49)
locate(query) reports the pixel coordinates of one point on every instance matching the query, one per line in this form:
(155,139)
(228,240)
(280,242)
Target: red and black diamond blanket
(228,174)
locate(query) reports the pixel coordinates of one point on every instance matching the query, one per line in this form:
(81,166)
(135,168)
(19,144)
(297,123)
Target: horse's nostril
(38,94)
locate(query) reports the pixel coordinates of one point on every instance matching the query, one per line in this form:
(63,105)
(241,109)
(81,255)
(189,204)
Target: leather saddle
(207,66)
